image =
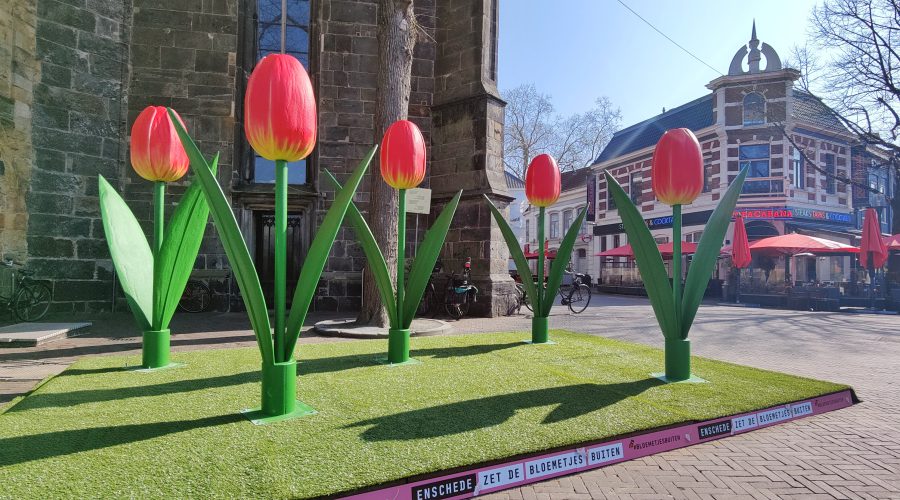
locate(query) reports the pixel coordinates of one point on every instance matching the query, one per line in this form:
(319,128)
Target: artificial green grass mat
(98,430)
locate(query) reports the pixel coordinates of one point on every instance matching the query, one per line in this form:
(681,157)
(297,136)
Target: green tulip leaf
(704,261)
(374,257)
(318,253)
(426,256)
(233,241)
(183,237)
(563,255)
(649,260)
(130,252)
(515,251)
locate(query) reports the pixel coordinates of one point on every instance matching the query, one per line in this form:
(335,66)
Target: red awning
(872,246)
(548,254)
(740,249)
(792,244)
(666,249)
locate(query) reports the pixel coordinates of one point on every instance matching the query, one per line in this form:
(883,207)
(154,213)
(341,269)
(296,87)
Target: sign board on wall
(688,219)
(418,201)
(794,213)
(591,214)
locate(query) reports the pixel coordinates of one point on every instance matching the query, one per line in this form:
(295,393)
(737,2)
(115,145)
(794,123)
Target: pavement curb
(347,328)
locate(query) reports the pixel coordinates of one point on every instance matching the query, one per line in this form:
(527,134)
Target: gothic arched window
(754,109)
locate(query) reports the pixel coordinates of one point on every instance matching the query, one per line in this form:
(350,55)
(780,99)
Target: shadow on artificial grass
(464,416)
(22,449)
(306,367)
(67,399)
(341,363)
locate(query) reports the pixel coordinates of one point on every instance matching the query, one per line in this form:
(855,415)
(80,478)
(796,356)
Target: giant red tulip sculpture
(402,167)
(153,278)
(280,123)
(677,178)
(542,187)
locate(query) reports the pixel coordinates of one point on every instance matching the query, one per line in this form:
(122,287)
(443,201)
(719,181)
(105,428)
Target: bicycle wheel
(196,298)
(426,305)
(520,297)
(579,298)
(32,301)
(526,301)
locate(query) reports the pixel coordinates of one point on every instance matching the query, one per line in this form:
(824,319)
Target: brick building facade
(796,151)
(74,74)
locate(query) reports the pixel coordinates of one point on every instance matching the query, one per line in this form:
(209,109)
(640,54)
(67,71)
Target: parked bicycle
(574,292)
(459,293)
(29,300)
(197,297)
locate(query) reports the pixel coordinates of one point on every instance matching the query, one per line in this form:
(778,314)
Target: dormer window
(754,109)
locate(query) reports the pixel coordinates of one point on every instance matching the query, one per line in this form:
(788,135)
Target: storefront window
(296,43)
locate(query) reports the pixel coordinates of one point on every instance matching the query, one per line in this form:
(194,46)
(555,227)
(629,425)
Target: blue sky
(578,50)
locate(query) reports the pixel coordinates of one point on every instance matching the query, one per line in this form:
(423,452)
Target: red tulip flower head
(280,109)
(542,183)
(156,150)
(677,171)
(403,155)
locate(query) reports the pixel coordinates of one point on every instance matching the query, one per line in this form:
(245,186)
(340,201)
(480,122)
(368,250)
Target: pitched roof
(695,115)
(809,109)
(574,179)
(513,181)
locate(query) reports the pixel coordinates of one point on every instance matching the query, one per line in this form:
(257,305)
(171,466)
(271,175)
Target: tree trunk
(396,39)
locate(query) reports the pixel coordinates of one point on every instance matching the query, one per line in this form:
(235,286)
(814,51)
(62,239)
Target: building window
(527,230)
(554,225)
(603,243)
(694,237)
(706,175)
(755,158)
(661,239)
(634,188)
(797,169)
(617,241)
(296,43)
(567,221)
(754,109)
(829,174)
(583,229)
(610,201)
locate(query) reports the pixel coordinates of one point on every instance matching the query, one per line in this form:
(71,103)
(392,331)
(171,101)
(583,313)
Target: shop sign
(793,213)
(688,219)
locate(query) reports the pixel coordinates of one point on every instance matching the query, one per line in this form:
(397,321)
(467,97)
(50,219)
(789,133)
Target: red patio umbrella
(892,242)
(740,249)
(792,244)
(872,246)
(622,251)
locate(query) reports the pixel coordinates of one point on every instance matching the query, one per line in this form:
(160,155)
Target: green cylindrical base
(678,360)
(279,388)
(398,346)
(540,330)
(155,351)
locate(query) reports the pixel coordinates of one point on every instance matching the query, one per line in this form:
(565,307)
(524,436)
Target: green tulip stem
(540,262)
(159,220)
(401,252)
(280,295)
(676,262)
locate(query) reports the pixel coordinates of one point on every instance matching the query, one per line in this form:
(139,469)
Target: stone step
(35,334)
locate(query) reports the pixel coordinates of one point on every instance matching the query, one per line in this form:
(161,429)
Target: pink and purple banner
(524,471)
